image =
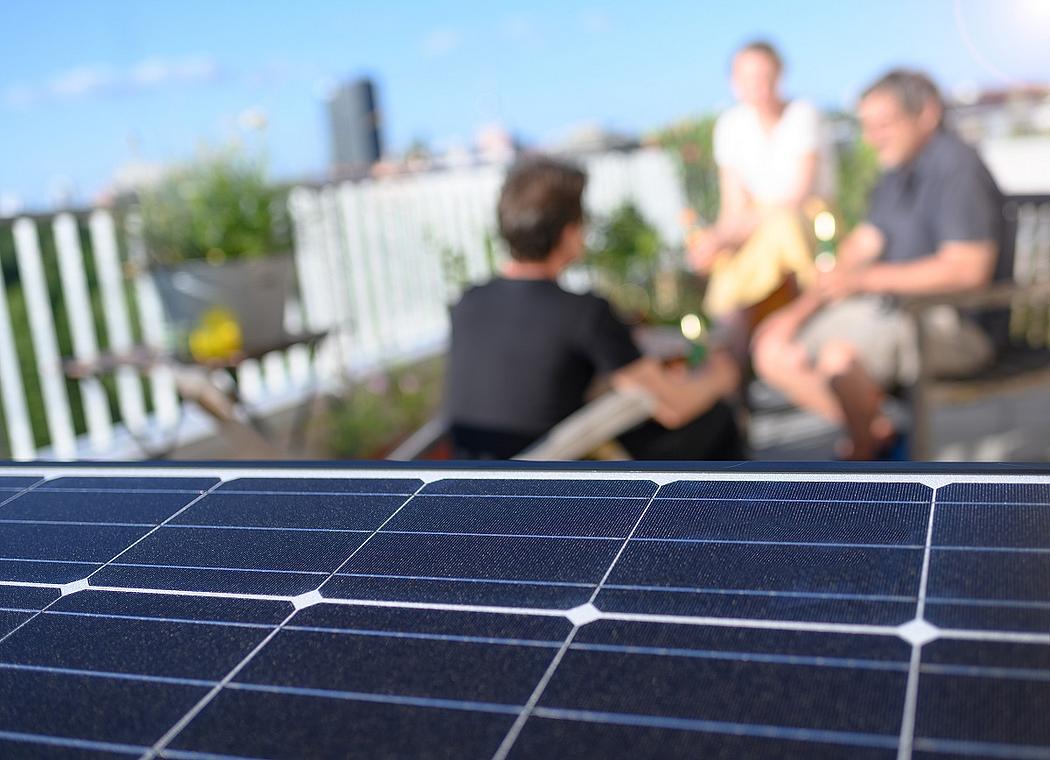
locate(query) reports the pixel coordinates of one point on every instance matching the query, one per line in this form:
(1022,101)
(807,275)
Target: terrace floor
(1011,428)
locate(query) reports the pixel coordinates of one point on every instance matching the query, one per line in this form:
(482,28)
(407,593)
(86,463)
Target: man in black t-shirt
(524,351)
(934,225)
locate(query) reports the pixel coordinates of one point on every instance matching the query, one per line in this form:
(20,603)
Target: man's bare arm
(680,397)
(957,265)
(860,247)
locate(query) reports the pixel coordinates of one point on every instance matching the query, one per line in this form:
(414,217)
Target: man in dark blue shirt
(934,225)
(524,351)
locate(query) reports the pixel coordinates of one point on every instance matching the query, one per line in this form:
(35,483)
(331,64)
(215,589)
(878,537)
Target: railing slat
(130,399)
(363,309)
(337,277)
(16,411)
(45,343)
(154,326)
(82,329)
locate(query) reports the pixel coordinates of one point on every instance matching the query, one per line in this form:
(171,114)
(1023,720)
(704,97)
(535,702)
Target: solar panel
(534,612)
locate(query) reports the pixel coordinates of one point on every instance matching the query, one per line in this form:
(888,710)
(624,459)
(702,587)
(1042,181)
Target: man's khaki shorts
(887,345)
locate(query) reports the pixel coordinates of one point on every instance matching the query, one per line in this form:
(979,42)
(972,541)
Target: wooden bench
(1025,362)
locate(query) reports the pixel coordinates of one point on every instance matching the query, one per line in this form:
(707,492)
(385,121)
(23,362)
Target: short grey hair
(913,89)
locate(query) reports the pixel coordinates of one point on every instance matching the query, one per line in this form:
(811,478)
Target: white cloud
(441,41)
(82,81)
(93,80)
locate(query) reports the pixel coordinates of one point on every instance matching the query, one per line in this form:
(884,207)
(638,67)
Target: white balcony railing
(369,258)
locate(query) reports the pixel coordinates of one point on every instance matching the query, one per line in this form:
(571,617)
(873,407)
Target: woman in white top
(772,158)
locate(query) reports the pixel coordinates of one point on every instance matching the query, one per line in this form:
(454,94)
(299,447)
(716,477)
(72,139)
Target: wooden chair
(1025,363)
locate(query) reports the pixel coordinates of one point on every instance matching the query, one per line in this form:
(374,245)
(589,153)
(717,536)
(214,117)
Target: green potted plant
(218,240)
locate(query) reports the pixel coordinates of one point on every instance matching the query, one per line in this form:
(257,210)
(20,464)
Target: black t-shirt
(523,354)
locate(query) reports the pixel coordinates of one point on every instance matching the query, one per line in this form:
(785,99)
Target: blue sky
(88,86)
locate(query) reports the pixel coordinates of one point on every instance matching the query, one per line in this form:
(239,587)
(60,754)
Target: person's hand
(702,245)
(839,283)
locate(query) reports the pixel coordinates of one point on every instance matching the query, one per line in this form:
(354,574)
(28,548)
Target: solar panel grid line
(978,749)
(919,630)
(70,743)
(109,674)
(298,603)
(849,739)
(588,613)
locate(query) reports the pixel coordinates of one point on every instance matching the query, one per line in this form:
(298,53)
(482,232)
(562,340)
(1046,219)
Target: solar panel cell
(10,749)
(125,484)
(1005,706)
(174,607)
(545,736)
(105,507)
(123,645)
(466,591)
(13,484)
(256,723)
(90,707)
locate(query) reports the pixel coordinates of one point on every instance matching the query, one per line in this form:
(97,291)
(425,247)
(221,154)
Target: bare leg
(783,363)
(858,396)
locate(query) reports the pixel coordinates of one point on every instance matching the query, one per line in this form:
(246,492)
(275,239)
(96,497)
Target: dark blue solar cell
(991,575)
(343,617)
(87,543)
(98,507)
(259,724)
(26,597)
(253,549)
(10,620)
(12,483)
(175,607)
(275,583)
(490,593)
(973,708)
(807,607)
(1006,616)
(541,487)
(1008,655)
(820,697)
(102,483)
(395,486)
(742,643)
(49,748)
(519,516)
(559,737)
(853,523)
(787,490)
(327,511)
(435,668)
(995,493)
(93,708)
(494,558)
(51,571)
(837,570)
(1007,525)
(121,645)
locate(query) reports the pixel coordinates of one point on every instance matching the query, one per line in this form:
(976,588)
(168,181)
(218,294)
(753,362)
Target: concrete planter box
(254,291)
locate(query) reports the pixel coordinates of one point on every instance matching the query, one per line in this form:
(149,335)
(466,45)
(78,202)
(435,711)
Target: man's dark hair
(540,198)
(913,89)
(765,48)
